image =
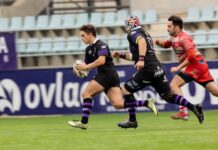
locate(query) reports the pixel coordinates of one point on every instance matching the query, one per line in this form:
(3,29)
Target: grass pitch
(153,133)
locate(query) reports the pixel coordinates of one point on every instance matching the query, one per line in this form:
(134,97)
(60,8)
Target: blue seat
(29,23)
(193,14)
(16,23)
(207,13)
(42,22)
(150,16)
(68,20)
(4,24)
(55,22)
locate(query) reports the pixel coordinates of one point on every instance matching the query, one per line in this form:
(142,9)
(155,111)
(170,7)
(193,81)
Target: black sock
(130,103)
(87,106)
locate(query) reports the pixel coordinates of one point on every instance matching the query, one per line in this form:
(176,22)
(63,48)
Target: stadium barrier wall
(58,91)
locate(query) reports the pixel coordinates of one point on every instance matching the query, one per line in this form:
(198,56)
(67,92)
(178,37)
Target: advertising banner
(8,55)
(58,91)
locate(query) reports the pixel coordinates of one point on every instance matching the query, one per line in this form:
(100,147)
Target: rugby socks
(180,100)
(140,103)
(87,106)
(130,103)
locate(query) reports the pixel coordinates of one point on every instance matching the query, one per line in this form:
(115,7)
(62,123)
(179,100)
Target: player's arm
(163,43)
(142,46)
(127,56)
(180,66)
(98,62)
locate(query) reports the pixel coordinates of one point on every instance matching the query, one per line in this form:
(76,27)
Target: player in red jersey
(192,65)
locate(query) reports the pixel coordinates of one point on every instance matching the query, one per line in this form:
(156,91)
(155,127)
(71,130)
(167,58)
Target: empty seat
(42,22)
(96,19)
(139,14)
(45,45)
(55,22)
(73,43)
(200,37)
(114,42)
(121,16)
(109,18)
(16,23)
(193,14)
(32,45)
(21,45)
(207,13)
(68,20)
(4,24)
(212,36)
(29,23)
(81,19)
(150,16)
(124,42)
(59,44)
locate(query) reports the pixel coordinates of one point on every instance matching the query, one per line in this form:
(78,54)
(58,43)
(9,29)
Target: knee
(118,105)
(173,85)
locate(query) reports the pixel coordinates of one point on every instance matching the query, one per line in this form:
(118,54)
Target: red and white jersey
(183,45)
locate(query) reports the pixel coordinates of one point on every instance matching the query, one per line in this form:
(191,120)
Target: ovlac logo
(10,97)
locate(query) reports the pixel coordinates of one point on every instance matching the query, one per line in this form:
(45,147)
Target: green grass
(153,133)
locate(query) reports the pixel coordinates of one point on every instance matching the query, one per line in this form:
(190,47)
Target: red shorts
(199,71)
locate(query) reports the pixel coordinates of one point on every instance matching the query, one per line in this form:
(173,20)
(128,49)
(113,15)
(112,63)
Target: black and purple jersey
(133,38)
(99,48)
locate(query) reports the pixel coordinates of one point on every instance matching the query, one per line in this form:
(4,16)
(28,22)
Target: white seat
(96,19)
(121,16)
(21,45)
(207,13)
(58,44)
(73,43)
(200,37)
(109,19)
(55,22)
(4,24)
(68,20)
(81,19)
(32,45)
(124,42)
(42,22)
(193,14)
(213,36)
(29,23)
(45,45)
(114,42)
(150,16)
(16,23)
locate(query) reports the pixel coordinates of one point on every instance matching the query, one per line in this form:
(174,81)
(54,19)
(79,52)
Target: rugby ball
(80,74)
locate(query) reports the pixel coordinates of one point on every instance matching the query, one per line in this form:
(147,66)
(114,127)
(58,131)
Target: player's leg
(212,88)
(163,88)
(91,90)
(176,83)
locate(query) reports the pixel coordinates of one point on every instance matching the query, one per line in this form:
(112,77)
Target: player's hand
(116,54)
(139,65)
(81,67)
(174,69)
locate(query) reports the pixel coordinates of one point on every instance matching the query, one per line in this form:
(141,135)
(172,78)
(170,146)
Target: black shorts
(188,79)
(107,79)
(146,77)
